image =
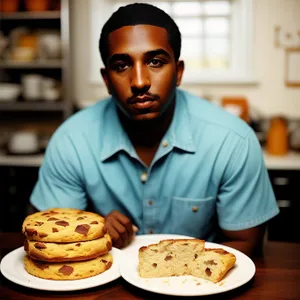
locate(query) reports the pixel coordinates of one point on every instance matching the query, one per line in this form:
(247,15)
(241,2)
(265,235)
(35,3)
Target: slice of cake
(184,257)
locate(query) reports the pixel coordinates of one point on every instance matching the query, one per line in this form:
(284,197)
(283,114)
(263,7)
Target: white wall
(269,96)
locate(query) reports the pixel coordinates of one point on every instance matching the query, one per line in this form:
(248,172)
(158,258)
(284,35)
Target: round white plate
(241,273)
(12,267)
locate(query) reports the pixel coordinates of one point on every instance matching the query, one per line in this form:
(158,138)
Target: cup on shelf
(9,92)
(50,89)
(32,86)
(50,45)
(23,142)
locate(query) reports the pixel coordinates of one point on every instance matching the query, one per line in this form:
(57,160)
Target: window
(216,37)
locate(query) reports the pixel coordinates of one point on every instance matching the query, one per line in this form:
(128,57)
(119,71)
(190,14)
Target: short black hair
(140,13)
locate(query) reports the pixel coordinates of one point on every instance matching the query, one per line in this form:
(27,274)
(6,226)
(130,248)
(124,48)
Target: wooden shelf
(39,64)
(21,160)
(290,161)
(55,14)
(31,106)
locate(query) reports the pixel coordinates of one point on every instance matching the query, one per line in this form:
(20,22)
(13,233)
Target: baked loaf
(63,252)
(184,257)
(63,225)
(69,270)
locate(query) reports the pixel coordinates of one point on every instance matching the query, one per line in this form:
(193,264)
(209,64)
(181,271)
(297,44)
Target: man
(154,156)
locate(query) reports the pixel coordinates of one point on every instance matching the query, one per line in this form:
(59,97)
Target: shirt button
(144,177)
(150,202)
(150,231)
(195,209)
(165,143)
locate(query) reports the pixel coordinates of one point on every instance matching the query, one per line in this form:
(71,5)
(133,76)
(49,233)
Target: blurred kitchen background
(243,55)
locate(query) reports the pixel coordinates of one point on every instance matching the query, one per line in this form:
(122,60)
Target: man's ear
(179,71)
(105,78)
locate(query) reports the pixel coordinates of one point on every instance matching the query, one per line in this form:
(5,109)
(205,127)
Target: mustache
(149,96)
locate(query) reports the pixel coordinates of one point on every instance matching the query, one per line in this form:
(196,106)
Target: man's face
(141,72)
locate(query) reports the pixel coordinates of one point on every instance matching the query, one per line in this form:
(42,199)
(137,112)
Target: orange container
(277,137)
(28,40)
(37,5)
(9,5)
(240,103)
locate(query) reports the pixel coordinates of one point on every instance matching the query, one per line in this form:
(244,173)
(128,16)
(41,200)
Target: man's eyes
(122,66)
(156,63)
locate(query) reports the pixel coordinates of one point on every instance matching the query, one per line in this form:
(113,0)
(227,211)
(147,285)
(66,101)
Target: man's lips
(143,104)
(143,101)
(140,99)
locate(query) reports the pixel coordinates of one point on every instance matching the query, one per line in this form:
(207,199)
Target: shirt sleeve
(246,197)
(59,182)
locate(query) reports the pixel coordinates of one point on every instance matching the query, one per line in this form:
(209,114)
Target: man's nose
(140,79)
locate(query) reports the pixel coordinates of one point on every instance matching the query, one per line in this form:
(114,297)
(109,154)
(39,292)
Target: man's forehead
(129,29)
(141,35)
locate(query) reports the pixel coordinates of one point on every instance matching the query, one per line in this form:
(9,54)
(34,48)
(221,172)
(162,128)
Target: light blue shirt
(208,171)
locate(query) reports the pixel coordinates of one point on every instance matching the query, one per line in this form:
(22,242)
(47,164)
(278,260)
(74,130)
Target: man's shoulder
(207,113)
(83,120)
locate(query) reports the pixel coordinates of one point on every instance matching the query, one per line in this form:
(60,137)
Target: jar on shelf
(37,5)
(277,137)
(9,5)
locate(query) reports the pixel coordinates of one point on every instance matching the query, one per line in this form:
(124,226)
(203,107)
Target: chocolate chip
(154,250)
(108,245)
(104,261)
(94,222)
(38,223)
(52,219)
(78,244)
(42,235)
(54,229)
(40,265)
(208,271)
(31,232)
(154,265)
(26,246)
(66,270)
(62,223)
(80,218)
(168,257)
(40,245)
(83,229)
(108,265)
(210,262)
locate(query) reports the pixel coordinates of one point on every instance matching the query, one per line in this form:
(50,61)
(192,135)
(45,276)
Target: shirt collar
(180,131)
(114,138)
(179,134)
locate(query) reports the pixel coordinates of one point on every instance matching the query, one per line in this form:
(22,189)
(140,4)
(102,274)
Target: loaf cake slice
(184,257)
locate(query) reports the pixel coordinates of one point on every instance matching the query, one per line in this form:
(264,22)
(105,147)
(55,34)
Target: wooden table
(277,277)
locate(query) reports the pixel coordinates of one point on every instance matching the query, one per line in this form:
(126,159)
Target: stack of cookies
(66,244)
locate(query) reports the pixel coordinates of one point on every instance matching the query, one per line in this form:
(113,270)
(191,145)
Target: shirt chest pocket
(193,217)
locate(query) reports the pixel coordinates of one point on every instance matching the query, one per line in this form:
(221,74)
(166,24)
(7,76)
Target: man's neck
(148,133)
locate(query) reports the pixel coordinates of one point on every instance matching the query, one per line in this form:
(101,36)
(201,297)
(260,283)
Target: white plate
(12,267)
(241,273)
